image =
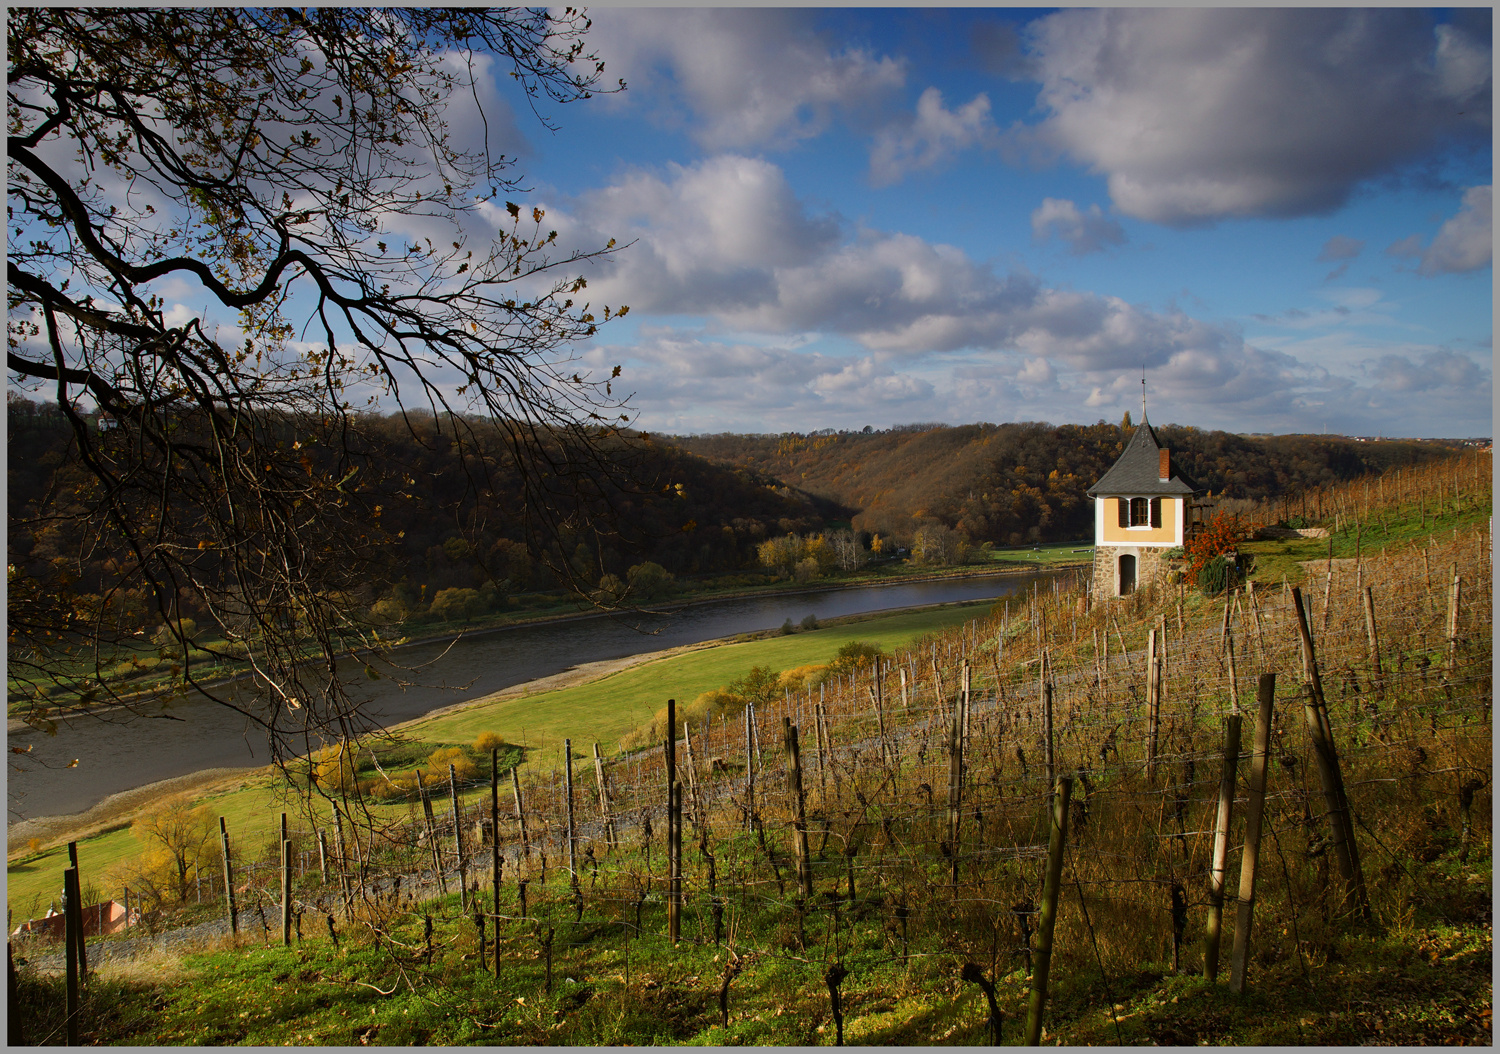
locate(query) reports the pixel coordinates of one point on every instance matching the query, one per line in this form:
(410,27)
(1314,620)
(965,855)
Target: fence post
(572,831)
(1049,757)
(234,918)
(1340,818)
(1153,701)
(1042,958)
(1370,632)
(338,828)
(1250,857)
(72,940)
(965,729)
(323,856)
(432,838)
(604,809)
(495,844)
(83,957)
(799,820)
(1221,848)
(749,772)
(955,786)
(1453,598)
(674,862)
(515,786)
(286,886)
(458,838)
(692,772)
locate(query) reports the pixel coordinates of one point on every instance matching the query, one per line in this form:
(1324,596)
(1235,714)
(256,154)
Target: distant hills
(1012,484)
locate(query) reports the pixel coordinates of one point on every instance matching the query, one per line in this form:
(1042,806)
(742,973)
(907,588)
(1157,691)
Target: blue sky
(843,217)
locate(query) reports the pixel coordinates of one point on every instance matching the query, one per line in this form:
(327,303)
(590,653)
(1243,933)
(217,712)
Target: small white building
(1142,508)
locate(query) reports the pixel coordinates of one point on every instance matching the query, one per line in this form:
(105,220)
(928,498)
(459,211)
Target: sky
(846,217)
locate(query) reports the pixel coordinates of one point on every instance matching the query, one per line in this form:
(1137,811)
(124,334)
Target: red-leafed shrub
(1219,536)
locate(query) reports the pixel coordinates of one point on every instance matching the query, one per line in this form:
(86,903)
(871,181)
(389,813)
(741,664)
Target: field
(869,861)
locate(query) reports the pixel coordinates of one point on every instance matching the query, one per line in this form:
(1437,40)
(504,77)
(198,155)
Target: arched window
(1140,512)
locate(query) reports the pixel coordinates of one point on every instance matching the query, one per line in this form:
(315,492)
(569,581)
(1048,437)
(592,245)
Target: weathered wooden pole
(515,789)
(955,787)
(234,918)
(286,885)
(605,813)
(1453,599)
(338,830)
(823,749)
(965,729)
(431,827)
(1049,758)
(750,770)
(495,845)
(1341,827)
(877,693)
(72,940)
(322,856)
(1213,931)
(1042,958)
(83,957)
(799,817)
(1255,812)
(458,838)
(1370,632)
(674,863)
(572,830)
(1153,701)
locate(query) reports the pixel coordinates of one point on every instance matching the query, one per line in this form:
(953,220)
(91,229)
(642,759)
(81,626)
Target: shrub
(335,769)
(809,622)
(1220,536)
(854,655)
(439,760)
(488,741)
(787,629)
(456,603)
(1215,576)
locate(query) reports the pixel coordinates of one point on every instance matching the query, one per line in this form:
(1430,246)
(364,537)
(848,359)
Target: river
(121,751)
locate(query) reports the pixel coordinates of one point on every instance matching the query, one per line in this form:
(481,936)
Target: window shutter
(1156,512)
(1123,504)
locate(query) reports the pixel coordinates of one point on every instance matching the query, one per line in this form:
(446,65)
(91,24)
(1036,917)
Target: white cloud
(740,77)
(1466,241)
(930,137)
(1435,369)
(1085,231)
(1196,115)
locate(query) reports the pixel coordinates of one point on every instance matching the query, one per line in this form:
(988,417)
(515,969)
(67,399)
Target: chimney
(1166,464)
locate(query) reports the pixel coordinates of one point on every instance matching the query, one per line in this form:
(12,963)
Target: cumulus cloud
(738,78)
(1195,115)
(1435,369)
(930,137)
(1085,231)
(1464,243)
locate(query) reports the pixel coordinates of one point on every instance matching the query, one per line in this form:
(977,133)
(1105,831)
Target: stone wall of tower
(1151,568)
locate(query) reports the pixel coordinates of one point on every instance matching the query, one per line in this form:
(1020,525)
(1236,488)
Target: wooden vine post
(572,830)
(1213,931)
(495,844)
(458,838)
(1453,598)
(1370,632)
(1153,701)
(750,768)
(286,886)
(1341,827)
(955,787)
(1048,756)
(338,830)
(605,812)
(515,788)
(431,828)
(234,918)
(799,817)
(1255,812)
(877,692)
(674,823)
(1042,958)
(72,941)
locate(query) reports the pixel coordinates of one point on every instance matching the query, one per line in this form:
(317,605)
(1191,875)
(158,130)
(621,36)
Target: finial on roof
(1143,392)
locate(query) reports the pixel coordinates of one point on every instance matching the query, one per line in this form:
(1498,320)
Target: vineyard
(1113,799)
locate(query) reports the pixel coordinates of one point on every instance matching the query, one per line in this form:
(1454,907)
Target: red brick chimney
(1166,464)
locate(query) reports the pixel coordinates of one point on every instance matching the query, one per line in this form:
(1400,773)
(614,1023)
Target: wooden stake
(1371,634)
(674,863)
(234,918)
(72,940)
(955,788)
(1153,702)
(1453,599)
(1250,857)
(799,817)
(1042,958)
(431,827)
(605,813)
(1221,847)
(458,838)
(338,829)
(515,787)
(572,830)
(495,843)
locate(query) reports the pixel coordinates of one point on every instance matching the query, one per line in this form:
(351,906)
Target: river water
(120,751)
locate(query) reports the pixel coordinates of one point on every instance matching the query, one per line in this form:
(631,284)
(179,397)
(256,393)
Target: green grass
(1275,558)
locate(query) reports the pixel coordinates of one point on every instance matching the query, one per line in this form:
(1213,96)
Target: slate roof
(1138,470)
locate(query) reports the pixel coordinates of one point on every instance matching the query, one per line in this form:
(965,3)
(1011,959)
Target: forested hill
(1015,483)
